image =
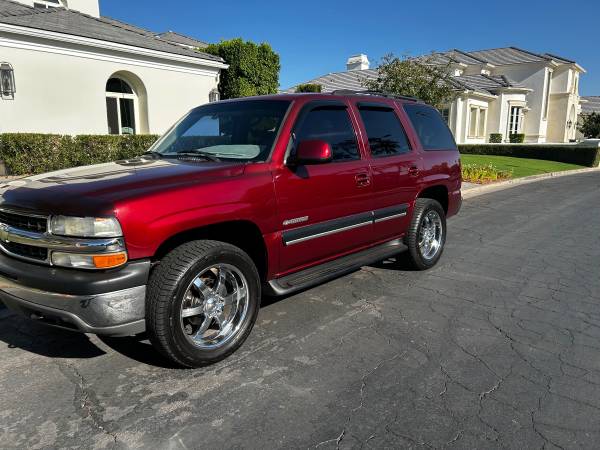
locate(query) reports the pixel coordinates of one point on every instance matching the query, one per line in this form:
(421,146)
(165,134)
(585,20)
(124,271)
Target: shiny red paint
(313,152)
(157,200)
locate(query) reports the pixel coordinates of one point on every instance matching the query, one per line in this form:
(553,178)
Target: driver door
(324,209)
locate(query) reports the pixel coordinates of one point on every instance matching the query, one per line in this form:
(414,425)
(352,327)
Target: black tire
(415,255)
(166,290)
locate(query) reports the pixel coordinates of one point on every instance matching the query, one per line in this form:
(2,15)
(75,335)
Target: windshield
(241,131)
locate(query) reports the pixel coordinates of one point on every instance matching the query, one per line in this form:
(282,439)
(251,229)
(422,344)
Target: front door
(324,209)
(395,169)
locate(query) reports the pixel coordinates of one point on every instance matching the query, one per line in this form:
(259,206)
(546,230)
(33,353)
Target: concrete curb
(487,188)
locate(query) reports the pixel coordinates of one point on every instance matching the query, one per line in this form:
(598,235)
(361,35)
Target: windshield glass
(241,131)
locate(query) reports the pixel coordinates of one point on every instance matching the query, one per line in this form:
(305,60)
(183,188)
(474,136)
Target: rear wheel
(203,300)
(426,235)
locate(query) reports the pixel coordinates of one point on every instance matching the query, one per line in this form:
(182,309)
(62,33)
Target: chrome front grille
(26,251)
(37,224)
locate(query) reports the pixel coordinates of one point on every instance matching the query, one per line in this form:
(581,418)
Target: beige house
(505,90)
(66,69)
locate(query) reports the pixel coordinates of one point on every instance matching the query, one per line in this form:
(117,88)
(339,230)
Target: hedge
(29,154)
(573,154)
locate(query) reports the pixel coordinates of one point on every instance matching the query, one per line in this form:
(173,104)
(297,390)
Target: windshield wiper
(155,155)
(208,156)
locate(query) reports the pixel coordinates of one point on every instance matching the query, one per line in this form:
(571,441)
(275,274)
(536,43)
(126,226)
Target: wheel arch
(438,192)
(243,234)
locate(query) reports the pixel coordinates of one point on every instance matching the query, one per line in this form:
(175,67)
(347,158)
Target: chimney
(90,7)
(358,62)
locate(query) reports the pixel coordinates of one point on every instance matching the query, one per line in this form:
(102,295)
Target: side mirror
(313,152)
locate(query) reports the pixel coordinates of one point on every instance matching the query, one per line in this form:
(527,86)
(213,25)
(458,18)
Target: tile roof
(508,55)
(171,36)
(592,105)
(66,21)
(350,79)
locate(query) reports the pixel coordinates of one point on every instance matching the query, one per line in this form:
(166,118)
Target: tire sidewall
(415,251)
(193,355)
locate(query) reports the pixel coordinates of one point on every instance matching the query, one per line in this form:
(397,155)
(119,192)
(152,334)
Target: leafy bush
(590,126)
(308,87)
(517,138)
(474,173)
(29,154)
(253,68)
(574,154)
(496,138)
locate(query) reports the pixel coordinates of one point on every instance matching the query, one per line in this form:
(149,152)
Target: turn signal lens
(110,261)
(78,261)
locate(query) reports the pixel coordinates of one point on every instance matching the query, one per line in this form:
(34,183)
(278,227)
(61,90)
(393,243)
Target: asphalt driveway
(497,347)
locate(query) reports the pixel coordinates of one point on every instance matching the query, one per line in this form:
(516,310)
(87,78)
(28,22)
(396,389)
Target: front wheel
(427,234)
(203,300)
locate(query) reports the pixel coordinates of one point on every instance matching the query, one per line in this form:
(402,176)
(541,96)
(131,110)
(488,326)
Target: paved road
(497,347)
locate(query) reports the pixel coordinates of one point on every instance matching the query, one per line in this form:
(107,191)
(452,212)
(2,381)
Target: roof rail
(374,93)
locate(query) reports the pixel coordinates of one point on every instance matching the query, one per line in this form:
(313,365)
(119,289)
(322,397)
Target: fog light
(77,261)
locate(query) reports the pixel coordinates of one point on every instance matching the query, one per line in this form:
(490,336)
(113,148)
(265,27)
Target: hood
(93,190)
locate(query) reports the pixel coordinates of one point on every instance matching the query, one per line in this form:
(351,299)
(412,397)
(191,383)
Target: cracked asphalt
(496,347)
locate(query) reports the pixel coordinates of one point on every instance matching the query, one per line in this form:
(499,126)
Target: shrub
(496,138)
(253,68)
(517,138)
(29,154)
(590,126)
(567,153)
(308,87)
(474,173)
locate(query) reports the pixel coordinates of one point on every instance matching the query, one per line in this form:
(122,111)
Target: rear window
(385,132)
(430,127)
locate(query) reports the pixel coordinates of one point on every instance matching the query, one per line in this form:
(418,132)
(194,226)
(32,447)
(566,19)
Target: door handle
(362,180)
(413,171)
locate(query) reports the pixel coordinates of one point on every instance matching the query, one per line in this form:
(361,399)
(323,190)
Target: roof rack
(375,93)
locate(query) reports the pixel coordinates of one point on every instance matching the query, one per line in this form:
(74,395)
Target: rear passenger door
(394,165)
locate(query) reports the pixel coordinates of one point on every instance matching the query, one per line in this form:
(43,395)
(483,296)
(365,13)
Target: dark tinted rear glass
(385,132)
(430,127)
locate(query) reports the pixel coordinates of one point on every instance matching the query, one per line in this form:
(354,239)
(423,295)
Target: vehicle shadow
(400,262)
(19,332)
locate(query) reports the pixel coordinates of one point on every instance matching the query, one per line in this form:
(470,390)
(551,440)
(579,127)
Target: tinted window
(430,127)
(385,132)
(333,126)
(244,130)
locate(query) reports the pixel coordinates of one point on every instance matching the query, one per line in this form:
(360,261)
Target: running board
(333,269)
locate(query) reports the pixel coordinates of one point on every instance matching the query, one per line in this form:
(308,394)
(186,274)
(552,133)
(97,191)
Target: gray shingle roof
(592,105)
(171,36)
(351,79)
(75,23)
(508,55)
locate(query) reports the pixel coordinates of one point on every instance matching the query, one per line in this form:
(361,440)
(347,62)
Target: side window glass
(433,132)
(384,131)
(333,126)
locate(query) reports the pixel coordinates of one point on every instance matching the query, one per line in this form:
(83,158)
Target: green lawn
(520,167)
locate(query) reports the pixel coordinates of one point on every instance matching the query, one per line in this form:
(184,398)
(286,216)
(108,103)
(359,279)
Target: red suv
(270,194)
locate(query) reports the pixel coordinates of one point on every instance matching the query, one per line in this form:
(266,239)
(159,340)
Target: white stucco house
(505,90)
(65,68)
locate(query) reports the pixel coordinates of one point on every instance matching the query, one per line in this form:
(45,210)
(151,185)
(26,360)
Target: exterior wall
(90,7)
(532,76)
(61,87)
(564,105)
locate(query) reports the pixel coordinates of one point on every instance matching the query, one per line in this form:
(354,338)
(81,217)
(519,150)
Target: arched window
(121,107)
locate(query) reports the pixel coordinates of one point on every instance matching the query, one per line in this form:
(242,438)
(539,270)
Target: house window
(121,107)
(45,4)
(547,95)
(477,122)
(445,112)
(515,120)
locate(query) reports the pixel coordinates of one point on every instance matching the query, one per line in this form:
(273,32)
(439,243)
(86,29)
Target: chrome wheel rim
(431,235)
(215,306)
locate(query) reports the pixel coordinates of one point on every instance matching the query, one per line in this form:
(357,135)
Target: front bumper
(108,303)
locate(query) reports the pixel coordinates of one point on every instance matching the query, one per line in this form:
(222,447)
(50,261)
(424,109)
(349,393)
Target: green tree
(414,77)
(590,127)
(253,68)
(308,87)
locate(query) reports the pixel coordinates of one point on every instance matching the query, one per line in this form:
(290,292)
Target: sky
(317,37)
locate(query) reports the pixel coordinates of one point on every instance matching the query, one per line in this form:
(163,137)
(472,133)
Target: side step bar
(333,269)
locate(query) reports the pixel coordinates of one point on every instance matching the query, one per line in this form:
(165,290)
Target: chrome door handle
(413,171)
(362,180)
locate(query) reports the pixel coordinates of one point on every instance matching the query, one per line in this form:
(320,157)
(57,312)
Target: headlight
(100,261)
(86,227)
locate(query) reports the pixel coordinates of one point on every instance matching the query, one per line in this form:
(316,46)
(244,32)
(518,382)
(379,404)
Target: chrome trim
(23,213)
(327,233)
(395,216)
